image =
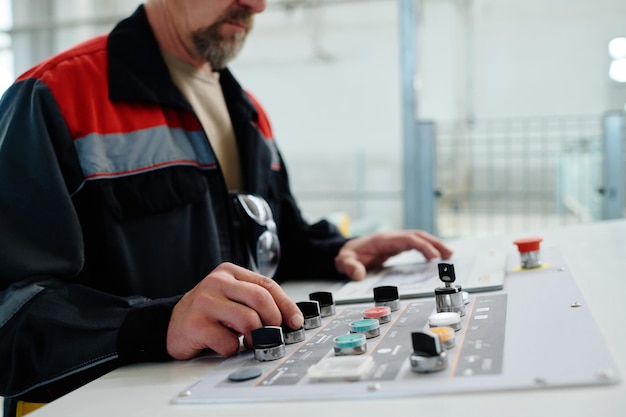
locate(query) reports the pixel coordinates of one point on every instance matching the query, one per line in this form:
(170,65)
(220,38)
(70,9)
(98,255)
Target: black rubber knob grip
(386,293)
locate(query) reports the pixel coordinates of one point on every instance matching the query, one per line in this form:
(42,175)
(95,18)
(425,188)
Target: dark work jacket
(112,205)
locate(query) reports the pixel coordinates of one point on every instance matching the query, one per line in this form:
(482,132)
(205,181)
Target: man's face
(218,28)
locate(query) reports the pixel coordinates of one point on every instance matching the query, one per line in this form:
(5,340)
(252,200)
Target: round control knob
(268,343)
(293,335)
(428,354)
(387,295)
(311,312)
(325,299)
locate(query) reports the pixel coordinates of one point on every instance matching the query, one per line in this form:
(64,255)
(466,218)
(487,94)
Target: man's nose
(256,6)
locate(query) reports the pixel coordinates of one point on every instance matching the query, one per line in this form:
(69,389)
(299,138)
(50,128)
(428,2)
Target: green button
(349,340)
(364,325)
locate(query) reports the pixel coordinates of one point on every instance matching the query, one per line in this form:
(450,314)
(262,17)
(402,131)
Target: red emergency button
(529,244)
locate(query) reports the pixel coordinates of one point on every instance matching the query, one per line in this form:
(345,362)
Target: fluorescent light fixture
(617,48)
(617,70)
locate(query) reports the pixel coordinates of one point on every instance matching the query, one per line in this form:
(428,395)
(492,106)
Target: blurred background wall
(518,92)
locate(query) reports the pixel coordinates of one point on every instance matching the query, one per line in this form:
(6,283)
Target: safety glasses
(259,229)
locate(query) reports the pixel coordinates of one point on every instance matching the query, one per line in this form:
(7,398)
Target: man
(120,244)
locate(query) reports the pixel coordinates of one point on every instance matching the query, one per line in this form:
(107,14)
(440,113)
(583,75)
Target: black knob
(324,298)
(428,354)
(268,343)
(311,312)
(309,309)
(326,302)
(293,335)
(267,337)
(386,293)
(426,343)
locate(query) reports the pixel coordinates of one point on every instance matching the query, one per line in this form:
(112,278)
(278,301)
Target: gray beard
(215,49)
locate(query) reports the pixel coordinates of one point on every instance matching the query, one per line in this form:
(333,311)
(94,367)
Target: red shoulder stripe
(263,122)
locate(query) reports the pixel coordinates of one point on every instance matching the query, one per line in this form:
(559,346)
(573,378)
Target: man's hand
(363,253)
(229,302)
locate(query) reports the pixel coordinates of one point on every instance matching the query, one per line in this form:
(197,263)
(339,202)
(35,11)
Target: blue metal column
(613,167)
(418,139)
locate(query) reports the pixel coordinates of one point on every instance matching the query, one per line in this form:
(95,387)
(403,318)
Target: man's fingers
(422,241)
(425,246)
(191,329)
(231,301)
(373,251)
(266,297)
(350,266)
(433,247)
(444,252)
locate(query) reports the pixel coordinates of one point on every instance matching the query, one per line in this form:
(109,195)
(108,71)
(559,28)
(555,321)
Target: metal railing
(492,176)
(509,175)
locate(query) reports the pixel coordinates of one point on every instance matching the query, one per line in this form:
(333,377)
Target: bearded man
(130,166)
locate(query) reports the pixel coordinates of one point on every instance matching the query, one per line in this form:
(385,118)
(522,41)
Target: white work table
(596,255)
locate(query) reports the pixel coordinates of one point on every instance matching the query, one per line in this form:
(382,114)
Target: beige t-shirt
(203,91)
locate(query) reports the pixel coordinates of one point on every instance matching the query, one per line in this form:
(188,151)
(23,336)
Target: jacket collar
(137,70)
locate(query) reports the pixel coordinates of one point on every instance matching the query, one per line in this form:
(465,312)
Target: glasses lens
(260,233)
(256,208)
(268,254)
